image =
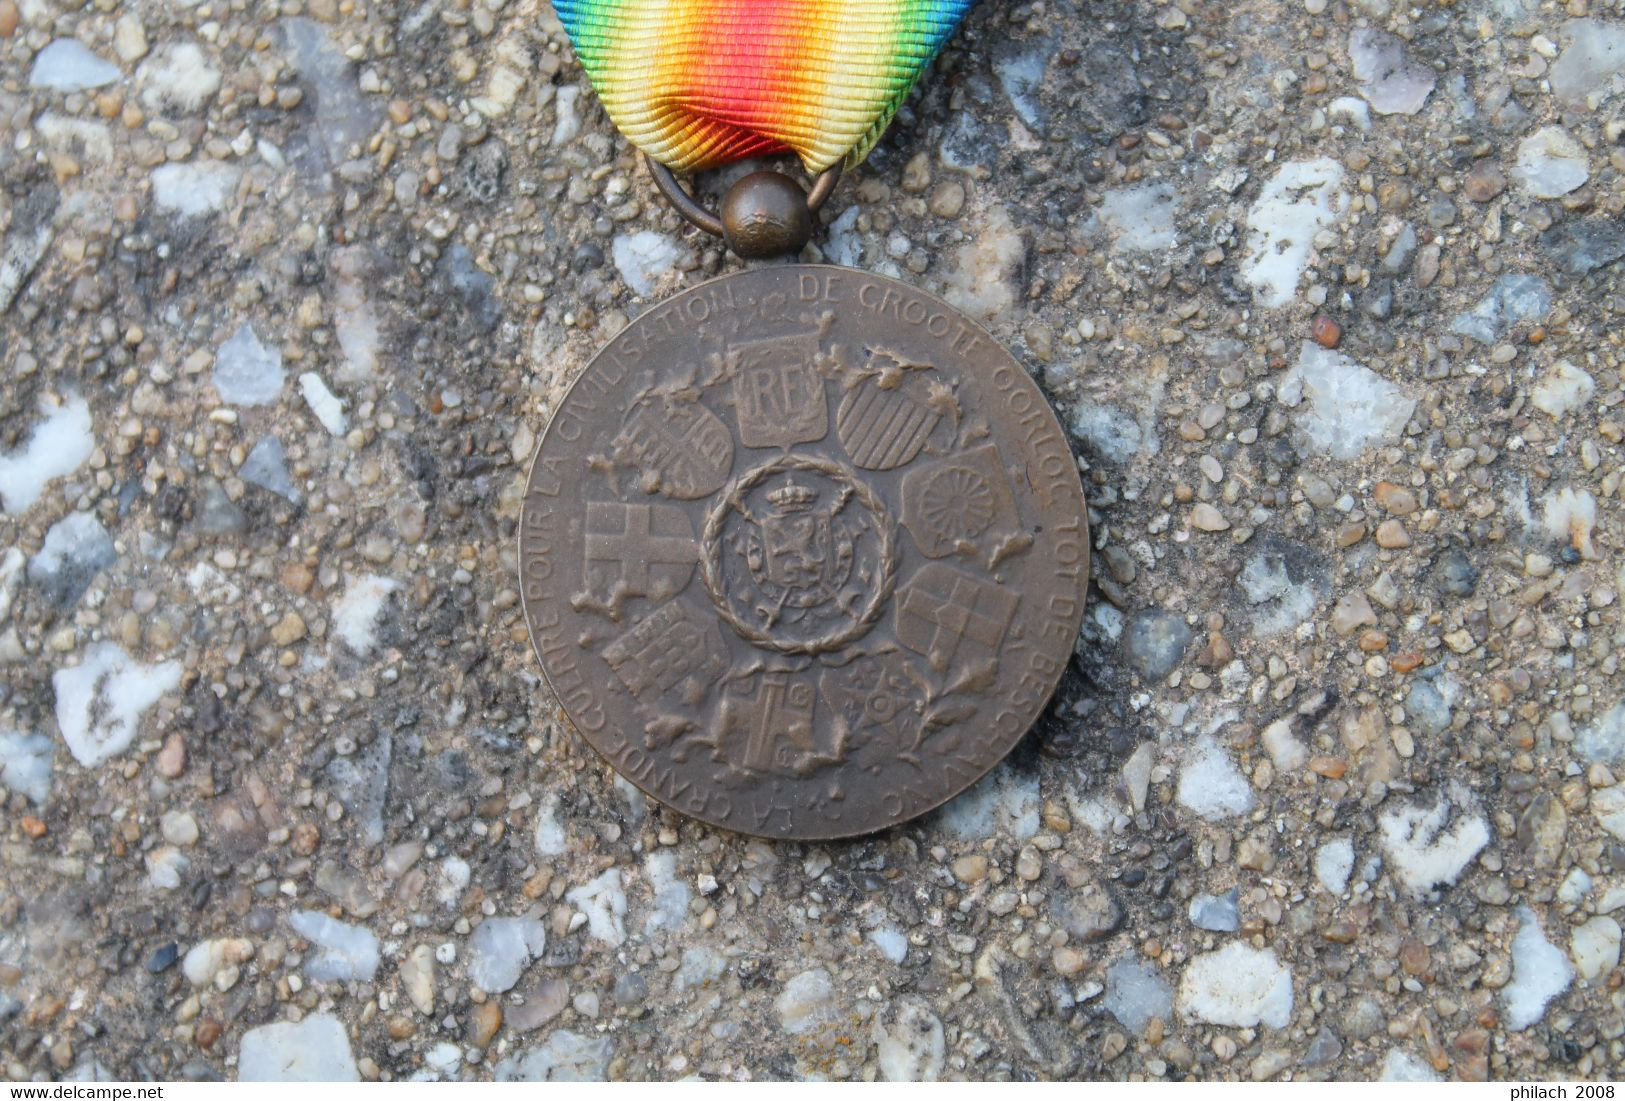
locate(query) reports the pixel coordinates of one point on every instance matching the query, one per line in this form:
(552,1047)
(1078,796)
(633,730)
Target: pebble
(483,1022)
(1551,163)
(1391,535)
(1484,182)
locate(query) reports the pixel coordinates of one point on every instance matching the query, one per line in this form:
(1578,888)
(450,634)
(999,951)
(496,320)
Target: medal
(803,551)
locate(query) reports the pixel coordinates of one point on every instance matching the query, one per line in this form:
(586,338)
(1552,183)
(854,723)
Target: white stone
(891,941)
(360,780)
(1608,807)
(1429,845)
(1211,785)
(700,966)
(1352,108)
(909,1043)
(1281,603)
(1334,863)
(178,827)
(1389,80)
(1094,812)
(344,116)
(205,959)
(807,1001)
(355,615)
(12,567)
(1141,218)
(355,325)
(1005,803)
(566,119)
(166,865)
(344,953)
(1551,163)
(1286,751)
(1574,888)
(1137,774)
(1562,389)
(1401,1066)
(669,907)
(1112,432)
(177,78)
(1237,986)
(67,65)
(1604,739)
(981,274)
(193,188)
(316,1049)
(25,765)
(1512,298)
(57,446)
(1593,55)
(417,978)
(1595,947)
(1540,972)
(551,839)
(644,258)
(246,371)
(564,1057)
(1021,76)
(1345,407)
(327,409)
(129,38)
(1300,200)
(81,138)
(452,880)
(267,467)
(100,701)
(1136,992)
(501,949)
(75,550)
(603,900)
(1569,516)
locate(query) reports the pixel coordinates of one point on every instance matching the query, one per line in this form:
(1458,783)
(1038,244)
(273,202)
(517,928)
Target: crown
(793,498)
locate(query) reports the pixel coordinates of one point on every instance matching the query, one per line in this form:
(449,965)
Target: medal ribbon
(698,83)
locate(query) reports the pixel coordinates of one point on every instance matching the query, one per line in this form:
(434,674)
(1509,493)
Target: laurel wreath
(711,566)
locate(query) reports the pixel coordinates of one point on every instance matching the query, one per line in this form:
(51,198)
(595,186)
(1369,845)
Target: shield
(949,615)
(778,393)
(882,429)
(684,445)
(960,505)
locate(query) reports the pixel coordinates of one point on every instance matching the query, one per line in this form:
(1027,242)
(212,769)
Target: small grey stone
(76,549)
(1136,992)
(1427,708)
(1155,642)
(1456,573)
(216,514)
(1583,245)
(1511,299)
(1364,1018)
(1090,912)
(1216,913)
(267,467)
(1324,1050)
(1543,829)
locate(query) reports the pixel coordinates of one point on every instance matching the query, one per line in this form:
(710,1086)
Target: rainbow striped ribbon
(698,83)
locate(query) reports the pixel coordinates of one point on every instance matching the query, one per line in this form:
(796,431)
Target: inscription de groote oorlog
(803,552)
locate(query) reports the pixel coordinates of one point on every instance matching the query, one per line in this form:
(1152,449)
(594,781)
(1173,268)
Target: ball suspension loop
(764,215)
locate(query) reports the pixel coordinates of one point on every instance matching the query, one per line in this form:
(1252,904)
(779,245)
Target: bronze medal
(804,552)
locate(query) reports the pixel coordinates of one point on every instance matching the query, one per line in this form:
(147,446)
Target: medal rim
(801,835)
